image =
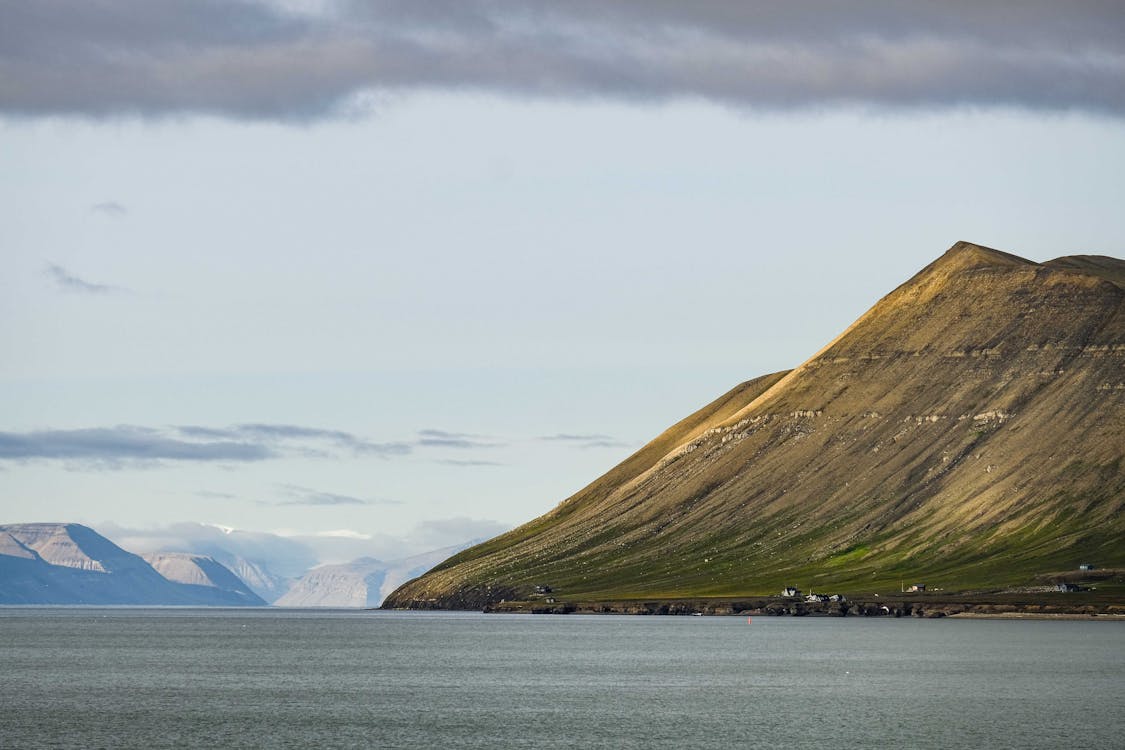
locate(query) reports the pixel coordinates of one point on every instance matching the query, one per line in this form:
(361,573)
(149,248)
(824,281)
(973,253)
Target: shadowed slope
(205,572)
(968,430)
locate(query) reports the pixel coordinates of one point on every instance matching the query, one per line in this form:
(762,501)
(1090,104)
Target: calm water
(146,678)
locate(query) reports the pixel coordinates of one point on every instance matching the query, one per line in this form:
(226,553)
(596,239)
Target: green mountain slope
(968,431)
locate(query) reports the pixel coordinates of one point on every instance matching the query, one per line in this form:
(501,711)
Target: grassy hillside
(967,431)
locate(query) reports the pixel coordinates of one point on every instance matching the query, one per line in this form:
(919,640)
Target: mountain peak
(971,255)
(960,258)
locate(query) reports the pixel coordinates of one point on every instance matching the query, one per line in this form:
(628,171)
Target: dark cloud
(123,445)
(297,495)
(254,60)
(460,440)
(109,208)
(68,282)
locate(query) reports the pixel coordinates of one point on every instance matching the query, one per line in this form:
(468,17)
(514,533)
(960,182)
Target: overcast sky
(401,274)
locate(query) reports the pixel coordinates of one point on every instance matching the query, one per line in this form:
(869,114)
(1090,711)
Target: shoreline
(1104,616)
(968,607)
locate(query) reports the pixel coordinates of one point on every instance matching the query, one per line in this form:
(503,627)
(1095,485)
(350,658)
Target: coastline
(1102,617)
(978,606)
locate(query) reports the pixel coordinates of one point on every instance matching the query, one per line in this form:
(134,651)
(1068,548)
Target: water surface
(182,678)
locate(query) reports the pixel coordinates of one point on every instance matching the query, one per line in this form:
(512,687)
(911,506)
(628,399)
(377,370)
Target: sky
(382,277)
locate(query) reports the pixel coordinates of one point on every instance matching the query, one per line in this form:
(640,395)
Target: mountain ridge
(202,570)
(68,563)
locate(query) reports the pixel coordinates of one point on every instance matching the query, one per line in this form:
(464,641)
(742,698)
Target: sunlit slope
(968,430)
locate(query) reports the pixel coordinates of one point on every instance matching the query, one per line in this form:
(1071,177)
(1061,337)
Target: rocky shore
(978,606)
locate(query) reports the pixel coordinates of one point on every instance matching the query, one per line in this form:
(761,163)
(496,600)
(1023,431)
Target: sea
(276,678)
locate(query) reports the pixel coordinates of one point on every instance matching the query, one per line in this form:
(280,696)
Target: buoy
(749,620)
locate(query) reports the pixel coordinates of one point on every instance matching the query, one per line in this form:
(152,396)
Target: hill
(967,431)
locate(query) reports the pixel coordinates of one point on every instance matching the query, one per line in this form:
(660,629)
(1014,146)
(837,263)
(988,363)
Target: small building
(790,591)
(543,589)
(1085,566)
(917,587)
(837,598)
(816,598)
(1066,587)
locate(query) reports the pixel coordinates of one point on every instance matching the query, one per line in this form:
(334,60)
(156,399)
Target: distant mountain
(267,563)
(201,570)
(353,584)
(360,583)
(261,580)
(967,431)
(67,563)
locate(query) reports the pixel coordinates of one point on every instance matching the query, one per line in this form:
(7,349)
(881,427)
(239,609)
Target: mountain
(360,583)
(67,563)
(267,563)
(260,579)
(353,584)
(966,431)
(200,570)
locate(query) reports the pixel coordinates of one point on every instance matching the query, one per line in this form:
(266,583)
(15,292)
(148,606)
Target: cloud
(445,532)
(575,438)
(122,443)
(211,495)
(592,440)
(283,556)
(109,208)
(258,60)
(273,434)
(291,552)
(342,545)
(298,495)
(68,282)
(330,534)
(467,462)
(461,440)
(129,445)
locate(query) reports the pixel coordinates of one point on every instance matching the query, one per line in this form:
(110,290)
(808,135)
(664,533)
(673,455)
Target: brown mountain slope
(967,430)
